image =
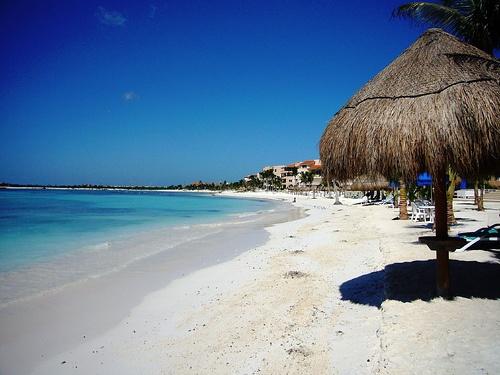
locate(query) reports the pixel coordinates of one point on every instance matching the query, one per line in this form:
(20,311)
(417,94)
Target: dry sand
(345,290)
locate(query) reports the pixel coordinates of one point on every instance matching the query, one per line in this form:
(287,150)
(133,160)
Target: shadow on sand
(410,281)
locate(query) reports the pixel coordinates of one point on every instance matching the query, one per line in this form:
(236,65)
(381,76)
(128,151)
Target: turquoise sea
(52,237)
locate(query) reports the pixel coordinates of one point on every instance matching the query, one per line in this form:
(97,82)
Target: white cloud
(130,96)
(110,17)
(152,11)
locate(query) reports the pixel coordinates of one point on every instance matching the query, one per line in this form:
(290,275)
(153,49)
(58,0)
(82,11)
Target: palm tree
(403,201)
(449,196)
(254,183)
(276,182)
(477,22)
(306,178)
(267,176)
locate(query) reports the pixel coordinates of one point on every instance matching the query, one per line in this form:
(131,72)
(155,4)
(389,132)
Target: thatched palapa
(436,105)
(364,183)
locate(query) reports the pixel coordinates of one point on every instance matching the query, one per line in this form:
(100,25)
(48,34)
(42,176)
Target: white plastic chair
(417,213)
(429,215)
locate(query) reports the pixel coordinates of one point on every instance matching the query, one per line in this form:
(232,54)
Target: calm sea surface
(37,226)
(53,238)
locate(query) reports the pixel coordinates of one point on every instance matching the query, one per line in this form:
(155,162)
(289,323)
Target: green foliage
(276,182)
(268,174)
(238,185)
(270,180)
(253,183)
(474,21)
(415,192)
(306,177)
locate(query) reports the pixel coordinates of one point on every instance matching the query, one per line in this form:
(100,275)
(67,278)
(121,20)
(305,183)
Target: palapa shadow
(495,252)
(411,281)
(465,219)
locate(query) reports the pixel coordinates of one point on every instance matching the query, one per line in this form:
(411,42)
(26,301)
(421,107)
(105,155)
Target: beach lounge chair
(484,238)
(417,212)
(388,200)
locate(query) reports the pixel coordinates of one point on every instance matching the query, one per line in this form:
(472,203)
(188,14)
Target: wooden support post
(336,193)
(442,256)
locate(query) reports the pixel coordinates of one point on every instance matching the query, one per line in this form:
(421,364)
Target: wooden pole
(336,193)
(442,256)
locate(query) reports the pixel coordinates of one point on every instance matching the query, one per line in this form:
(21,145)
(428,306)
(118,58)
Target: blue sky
(168,92)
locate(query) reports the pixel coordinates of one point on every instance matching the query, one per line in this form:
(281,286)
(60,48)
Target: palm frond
(483,16)
(438,15)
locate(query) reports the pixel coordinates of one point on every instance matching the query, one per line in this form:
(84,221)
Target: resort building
(290,174)
(278,170)
(318,177)
(306,165)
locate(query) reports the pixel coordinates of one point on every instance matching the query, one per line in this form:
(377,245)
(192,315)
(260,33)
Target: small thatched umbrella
(364,183)
(436,106)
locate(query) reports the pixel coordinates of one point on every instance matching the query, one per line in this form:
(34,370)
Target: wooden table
(449,244)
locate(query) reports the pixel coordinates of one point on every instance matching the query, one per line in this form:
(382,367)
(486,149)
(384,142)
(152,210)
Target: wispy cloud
(152,11)
(110,17)
(130,96)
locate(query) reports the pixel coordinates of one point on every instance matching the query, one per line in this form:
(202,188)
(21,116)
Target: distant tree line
(241,185)
(88,186)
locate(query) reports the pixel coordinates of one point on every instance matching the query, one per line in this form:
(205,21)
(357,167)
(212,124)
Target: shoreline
(131,245)
(43,325)
(344,289)
(131,189)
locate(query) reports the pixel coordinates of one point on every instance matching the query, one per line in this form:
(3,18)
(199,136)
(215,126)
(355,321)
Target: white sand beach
(344,290)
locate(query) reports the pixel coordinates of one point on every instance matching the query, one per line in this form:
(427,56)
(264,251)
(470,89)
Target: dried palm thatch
(365,183)
(436,105)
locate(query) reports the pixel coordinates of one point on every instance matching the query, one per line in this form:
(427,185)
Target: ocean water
(52,237)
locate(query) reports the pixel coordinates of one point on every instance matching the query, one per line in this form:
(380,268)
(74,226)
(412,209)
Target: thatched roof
(365,183)
(437,104)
